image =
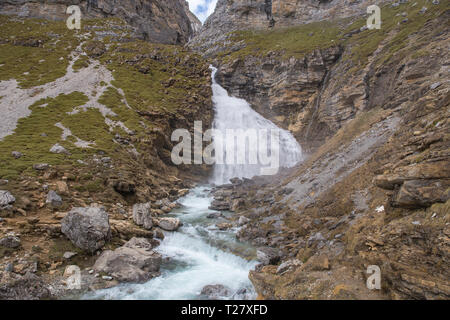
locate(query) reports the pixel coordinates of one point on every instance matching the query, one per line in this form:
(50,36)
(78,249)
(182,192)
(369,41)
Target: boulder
(267,255)
(215,291)
(87,228)
(422,193)
(142,215)
(169,224)
(6,199)
(54,199)
(134,262)
(10,242)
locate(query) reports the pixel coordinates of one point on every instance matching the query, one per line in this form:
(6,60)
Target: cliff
(232,15)
(168,22)
(370,109)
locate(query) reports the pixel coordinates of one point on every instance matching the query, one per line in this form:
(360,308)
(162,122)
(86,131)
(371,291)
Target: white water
(235,113)
(198,255)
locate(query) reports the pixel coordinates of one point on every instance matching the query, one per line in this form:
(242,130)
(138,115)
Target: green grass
(140,69)
(34,65)
(29,140)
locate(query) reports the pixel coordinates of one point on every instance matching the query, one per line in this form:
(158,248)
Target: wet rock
(10,242)
(16,154)
(267,255)
(134,262)
(59,149)
(169,224)
(422,193)
(215,291)
(87,228)
(236,181)
(142,215)
(158,234)
(54,199)
(41,166)
(3,182)
(214,215)
(6,199)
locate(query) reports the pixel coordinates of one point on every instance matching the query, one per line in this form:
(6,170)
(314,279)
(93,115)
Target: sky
(202,8)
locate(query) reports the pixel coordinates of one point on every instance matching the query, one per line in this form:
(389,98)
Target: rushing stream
(199,254)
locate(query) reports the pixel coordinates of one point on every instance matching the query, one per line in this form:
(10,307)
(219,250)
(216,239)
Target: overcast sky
(202,8)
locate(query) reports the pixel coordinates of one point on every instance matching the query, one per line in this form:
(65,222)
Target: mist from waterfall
(232,113)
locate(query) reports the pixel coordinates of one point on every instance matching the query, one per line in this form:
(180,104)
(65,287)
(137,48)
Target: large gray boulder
(87,228)
(6,199)
(134,262)
(142,215)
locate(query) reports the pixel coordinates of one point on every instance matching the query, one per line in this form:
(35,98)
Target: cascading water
(199,254)
(236,114)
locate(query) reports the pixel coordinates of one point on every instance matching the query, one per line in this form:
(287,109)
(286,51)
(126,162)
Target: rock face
(286,90)
(375,187)
(160,21)
(87,228)
(231,15)
(134,262)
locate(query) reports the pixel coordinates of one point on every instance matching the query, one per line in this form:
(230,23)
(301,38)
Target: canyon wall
(160,21)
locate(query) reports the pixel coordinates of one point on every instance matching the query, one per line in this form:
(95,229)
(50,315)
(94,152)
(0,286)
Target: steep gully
(200,254)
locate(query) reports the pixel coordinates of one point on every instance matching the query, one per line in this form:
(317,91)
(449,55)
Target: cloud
(202,8)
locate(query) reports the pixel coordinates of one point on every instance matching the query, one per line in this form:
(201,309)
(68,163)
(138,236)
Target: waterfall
(232,113)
